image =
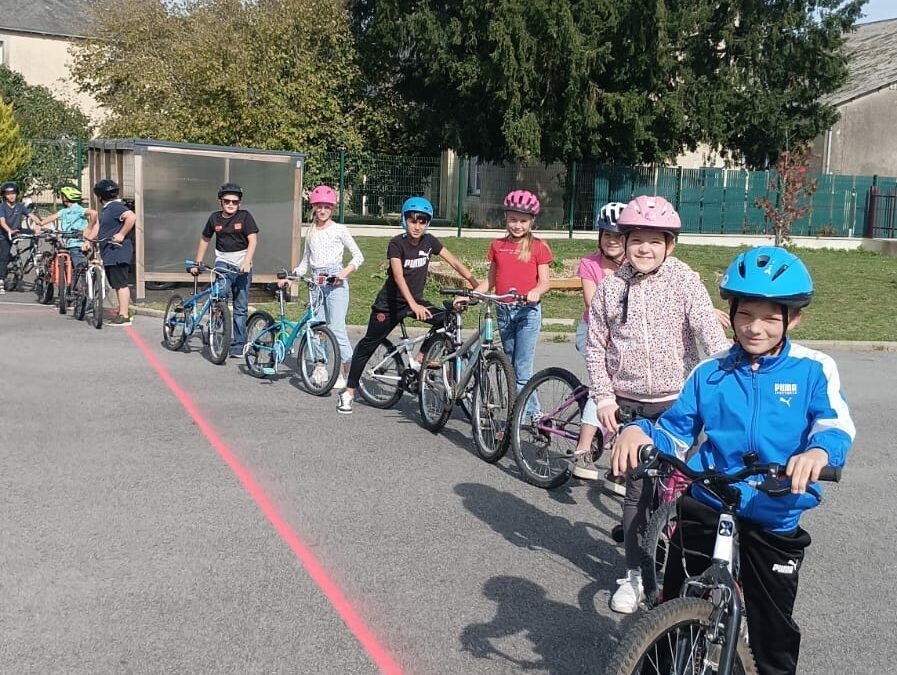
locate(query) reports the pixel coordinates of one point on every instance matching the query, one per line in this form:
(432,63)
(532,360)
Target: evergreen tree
(14,154)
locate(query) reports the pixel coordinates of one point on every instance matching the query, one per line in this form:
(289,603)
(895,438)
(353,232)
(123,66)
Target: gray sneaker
(119,320)
(584,466)
(344,403)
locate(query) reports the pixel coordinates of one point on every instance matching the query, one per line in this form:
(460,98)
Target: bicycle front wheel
(672,639)
(433,399)
(380,384)
(493,401)
(545,427)
(318,360)
(656,548)
(79,302)
(62,287)
(174,324)
(260,337)
(220,328)
(13,276)
(97,299)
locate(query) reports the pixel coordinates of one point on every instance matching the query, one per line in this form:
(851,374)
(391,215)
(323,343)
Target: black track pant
(380,324)
(4,254)
(770,563)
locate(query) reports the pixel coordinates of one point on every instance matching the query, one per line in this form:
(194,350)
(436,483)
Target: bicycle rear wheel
(433,399)
(545,427)
(318,360)
(656,548)
(97,299)
(493,401)
(62,286)
(672,639)
(260,337)
(174,324)
(13,276)
(380,384)
(220,327)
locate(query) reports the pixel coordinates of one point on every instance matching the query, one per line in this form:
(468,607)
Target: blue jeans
(519,328)
(237,284)
(333,310)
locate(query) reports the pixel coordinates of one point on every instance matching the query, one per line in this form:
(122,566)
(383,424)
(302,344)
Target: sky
(876,10)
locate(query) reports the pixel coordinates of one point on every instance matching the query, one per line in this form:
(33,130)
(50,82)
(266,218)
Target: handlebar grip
(647,452)
(452,291)
(830,473)
(282,274)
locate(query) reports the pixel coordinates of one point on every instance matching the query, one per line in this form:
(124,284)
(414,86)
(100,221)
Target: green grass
(855,299)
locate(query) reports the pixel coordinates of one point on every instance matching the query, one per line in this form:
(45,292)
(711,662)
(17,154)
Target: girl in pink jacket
(646,326)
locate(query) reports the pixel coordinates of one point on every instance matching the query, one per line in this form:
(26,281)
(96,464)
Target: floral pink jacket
(649,356)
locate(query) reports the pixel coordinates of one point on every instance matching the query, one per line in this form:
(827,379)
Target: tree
(278,74)
(794,187)
(14,154)
(38,112)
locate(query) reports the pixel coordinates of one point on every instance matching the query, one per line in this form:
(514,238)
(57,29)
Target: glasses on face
(417,218)
(225,200)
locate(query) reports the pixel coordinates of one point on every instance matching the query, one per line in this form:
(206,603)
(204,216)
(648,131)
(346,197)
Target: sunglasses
(229,201)
(417,219)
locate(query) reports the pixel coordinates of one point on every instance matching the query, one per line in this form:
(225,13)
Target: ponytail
(526,247)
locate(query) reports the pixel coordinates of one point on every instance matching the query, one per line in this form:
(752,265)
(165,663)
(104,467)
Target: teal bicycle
(269,341)
(184,317)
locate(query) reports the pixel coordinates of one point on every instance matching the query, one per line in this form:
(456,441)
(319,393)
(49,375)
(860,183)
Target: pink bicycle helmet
(649,213)
(522,201)
(323,194)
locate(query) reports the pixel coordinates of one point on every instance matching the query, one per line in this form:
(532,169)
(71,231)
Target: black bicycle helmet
(9,186)
(230,189)
(106,189)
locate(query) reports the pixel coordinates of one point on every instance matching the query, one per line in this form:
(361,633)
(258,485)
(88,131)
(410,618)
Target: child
(647,322)
(592,269)
(325,242)
(236,238)
(72,216)
(14,216)
(116,221)
(402,294)
(519,261)
(771,396)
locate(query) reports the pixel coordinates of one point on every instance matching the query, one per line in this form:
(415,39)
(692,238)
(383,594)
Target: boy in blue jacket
(766,395)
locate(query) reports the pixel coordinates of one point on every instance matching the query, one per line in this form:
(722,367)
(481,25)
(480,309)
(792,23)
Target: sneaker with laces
(2,287)
(629,593)
(344,403)
(119,320)
(584,466)
(340,382)
(617,484)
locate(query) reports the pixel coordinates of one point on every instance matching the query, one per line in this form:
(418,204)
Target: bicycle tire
(174,324)
(79,294)
(433,401)
(220,330)
(62,288)
(260,337)
(544,458)
(318,347)
(494,393)
(97,316)
(640,650)
(381,393)
(655,549)
(13,277)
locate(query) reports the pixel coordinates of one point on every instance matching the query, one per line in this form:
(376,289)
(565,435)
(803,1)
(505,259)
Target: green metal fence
(372,187)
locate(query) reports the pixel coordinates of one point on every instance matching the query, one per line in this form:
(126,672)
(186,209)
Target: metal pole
(459,214)
(572,199)
(342,186)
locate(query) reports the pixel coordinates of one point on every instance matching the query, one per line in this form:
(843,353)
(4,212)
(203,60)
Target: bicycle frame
(405,349)
(207,296)
(95,267)
(289,331)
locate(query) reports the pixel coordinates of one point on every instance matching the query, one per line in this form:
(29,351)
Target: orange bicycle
(61,268)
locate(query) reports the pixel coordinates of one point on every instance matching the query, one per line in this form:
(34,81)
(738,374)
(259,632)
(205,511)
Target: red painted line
(378,653)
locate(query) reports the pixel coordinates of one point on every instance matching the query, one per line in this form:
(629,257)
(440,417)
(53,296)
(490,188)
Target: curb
(562,337)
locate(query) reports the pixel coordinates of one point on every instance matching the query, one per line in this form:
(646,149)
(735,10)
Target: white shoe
(340,382)
(2,288)
(583,466)
(344,403)
(629,594)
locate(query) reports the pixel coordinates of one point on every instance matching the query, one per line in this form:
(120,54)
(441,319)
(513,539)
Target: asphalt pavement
(162,514)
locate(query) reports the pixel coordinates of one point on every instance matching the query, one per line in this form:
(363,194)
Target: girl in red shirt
(519,262)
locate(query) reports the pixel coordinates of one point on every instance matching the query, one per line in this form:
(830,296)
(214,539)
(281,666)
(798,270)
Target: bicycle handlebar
(651,457)
(512,295)
(202,267)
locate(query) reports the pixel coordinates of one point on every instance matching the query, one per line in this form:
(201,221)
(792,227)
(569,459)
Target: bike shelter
(174,188)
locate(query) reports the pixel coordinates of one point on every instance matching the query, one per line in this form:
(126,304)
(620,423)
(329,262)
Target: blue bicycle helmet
(768,273)
(416,205)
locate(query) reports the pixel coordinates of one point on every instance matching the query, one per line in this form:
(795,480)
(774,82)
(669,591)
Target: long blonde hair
(526,246)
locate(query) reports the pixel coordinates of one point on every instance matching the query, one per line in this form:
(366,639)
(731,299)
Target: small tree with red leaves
(794,187)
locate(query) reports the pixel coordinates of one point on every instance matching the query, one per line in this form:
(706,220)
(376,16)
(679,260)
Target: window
(2,53)
(474,175)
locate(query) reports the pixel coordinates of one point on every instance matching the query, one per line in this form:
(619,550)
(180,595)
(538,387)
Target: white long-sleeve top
(325,248)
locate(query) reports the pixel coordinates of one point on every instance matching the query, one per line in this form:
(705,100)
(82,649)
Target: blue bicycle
(184,317)
(269,341)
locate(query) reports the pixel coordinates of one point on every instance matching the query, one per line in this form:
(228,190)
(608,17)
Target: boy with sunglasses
(402,295)
(236,238)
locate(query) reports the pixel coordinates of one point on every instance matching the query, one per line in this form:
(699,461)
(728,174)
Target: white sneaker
(340,382)
(2,288)
(344,403)
(629,594)
(583,466)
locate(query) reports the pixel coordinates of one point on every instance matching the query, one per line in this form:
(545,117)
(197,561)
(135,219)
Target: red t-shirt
(513,273)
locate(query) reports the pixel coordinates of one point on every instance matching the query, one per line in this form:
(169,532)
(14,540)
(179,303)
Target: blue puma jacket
(791,403)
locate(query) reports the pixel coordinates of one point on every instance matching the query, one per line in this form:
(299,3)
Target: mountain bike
(392,369)
(701,631)
(24,255)
(205,310)
(61,267)
(270,341)
(89,286)
(452,369)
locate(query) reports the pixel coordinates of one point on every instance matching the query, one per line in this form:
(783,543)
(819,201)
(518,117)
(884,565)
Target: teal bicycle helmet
(416,205)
